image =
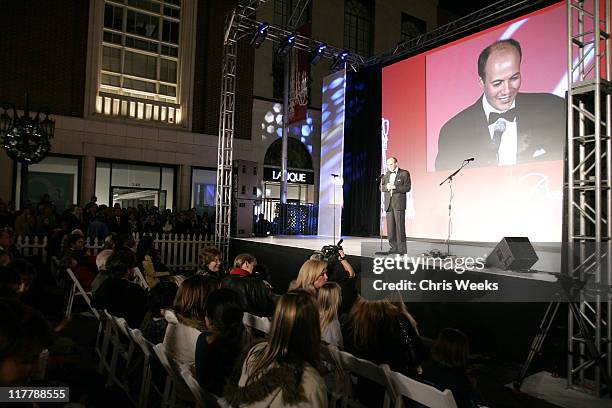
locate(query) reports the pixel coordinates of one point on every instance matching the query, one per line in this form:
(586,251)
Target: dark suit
(395,206)
(541,128)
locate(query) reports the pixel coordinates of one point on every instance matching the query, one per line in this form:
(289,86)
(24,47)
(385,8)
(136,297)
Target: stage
(545,269)
(500,328)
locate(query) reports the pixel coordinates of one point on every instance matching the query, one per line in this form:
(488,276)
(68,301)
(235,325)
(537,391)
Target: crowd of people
(97,220)
(198,319)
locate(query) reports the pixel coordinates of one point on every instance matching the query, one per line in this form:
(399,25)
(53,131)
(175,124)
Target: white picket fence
(178,251)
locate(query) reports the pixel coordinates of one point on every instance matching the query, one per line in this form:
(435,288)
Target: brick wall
(43,45)
(207,78)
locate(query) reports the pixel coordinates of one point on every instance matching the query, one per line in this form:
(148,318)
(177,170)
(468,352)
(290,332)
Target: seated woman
(210,263)
(110,244)
(447,369)
(283,371)
(221,344)
(159,299)
(186,321)
(24,333)
(120,296)
(384,333)
(78,259)
(312,275)
(150,261)
(329,300)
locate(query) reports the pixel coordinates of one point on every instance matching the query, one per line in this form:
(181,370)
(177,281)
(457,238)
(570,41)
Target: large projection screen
(434,117)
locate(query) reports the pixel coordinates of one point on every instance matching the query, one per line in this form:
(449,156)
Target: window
(411,27)
(358,26)
(140,49)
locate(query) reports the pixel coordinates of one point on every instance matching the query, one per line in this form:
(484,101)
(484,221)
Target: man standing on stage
(395,184)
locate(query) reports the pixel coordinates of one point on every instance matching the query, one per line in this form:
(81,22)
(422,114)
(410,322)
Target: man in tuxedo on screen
(504,126)
(395,184)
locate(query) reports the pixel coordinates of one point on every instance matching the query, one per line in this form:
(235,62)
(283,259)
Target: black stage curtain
(362,152)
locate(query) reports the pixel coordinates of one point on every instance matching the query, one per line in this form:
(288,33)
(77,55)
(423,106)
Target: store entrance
(133,197)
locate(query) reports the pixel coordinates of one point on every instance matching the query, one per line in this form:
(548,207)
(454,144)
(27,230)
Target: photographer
(339,270)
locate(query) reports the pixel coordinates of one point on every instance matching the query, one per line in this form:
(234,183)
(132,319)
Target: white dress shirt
(506,155)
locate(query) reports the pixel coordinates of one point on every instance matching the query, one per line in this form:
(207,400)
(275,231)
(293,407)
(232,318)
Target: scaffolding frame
(588,205)
(240,23)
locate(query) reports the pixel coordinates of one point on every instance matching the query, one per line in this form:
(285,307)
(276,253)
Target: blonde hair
(329,299)
(241,259)
(190,301)
(309,273)
(295,333)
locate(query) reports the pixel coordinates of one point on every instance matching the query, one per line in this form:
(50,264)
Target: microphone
(469,160)
(380,177)
(335,175)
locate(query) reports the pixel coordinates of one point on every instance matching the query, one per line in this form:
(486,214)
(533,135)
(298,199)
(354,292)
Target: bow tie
(509,115)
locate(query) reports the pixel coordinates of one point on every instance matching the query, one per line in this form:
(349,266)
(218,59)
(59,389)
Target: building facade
(134,85)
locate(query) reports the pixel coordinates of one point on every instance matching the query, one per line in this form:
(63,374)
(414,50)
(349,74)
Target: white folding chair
(255,322)
(139,278)
(360,368)
(178,389)
(120,350)
(203,398)
(147,373)
(78,290)
(417,391)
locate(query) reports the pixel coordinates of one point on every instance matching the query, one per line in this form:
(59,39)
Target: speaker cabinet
(513,253)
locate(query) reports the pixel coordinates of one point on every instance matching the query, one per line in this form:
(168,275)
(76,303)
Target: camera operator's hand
(345,264)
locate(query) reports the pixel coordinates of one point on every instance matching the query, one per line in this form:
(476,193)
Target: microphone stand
(380,224)
(450,200)
(334,204)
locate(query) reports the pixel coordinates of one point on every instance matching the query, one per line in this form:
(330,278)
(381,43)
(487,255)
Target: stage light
(259,35)
(286,45)
(317,53)
(340,61)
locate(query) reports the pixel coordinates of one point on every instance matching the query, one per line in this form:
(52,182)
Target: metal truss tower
(223,196)
(239,24)
(587,260)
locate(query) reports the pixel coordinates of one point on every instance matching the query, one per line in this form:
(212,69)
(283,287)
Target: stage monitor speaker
(513,253)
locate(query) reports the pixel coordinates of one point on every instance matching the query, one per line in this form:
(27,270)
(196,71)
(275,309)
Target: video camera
(332,252)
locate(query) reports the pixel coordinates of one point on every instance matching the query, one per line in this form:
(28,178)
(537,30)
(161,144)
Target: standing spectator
(256,293)
(97,229)
(93,202)
(45,222)
(7,241)
(6,219)
(25,224)
(118,222)
(151,225)
(283,371)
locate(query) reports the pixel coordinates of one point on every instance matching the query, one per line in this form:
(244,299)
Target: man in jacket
(255,292)
(395,184)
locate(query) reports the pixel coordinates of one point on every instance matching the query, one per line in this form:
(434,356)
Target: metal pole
(283,189)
